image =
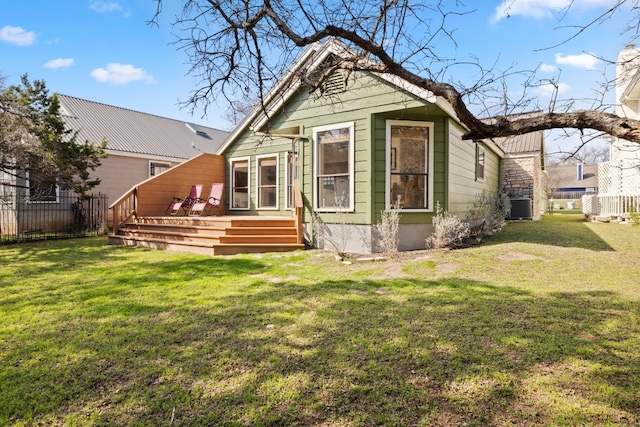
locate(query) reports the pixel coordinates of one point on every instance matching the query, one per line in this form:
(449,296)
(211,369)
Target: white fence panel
(617,205)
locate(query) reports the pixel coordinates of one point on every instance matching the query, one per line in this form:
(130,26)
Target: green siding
(429,114)
(369,102)
(462,183)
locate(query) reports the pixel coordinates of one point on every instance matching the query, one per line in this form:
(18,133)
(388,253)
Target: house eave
(288,85)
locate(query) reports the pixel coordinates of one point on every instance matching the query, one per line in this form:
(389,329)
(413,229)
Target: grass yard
(539,325)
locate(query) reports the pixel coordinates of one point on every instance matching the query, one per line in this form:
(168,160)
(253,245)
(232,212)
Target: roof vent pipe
(579,170)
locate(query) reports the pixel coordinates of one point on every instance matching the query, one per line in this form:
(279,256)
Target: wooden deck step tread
(211,235)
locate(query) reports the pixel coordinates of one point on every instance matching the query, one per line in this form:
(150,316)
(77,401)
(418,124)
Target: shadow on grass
(569,231)
(341,352)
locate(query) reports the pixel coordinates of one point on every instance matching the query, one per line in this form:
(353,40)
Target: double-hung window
(239,184)
(410,165)
(267,181)
(333,172)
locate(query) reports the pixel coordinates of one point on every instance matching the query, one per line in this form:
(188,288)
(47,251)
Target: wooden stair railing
(124,209)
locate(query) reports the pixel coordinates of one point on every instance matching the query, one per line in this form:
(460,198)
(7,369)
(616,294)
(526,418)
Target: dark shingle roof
(129,131)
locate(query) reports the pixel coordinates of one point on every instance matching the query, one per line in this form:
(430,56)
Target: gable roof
(520,144)
(135,133)
(567,176)
(288,85)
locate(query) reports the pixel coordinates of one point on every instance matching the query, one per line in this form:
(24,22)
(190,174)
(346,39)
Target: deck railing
(151,197)
(124,209)
(615,204)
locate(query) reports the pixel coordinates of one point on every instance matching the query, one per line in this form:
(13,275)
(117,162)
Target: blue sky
(104,50)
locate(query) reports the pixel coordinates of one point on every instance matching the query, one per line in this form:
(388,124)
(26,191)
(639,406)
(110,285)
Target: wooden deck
(226,235)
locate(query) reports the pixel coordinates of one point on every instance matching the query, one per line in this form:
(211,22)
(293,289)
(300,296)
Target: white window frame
(232,183)
(57,200)
(480,161)
(7,187)
(258,185)
(289,173)
(428,153)
(152,162)
(316,193)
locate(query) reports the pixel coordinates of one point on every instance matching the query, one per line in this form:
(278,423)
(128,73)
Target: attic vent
(335,83)
(197,130)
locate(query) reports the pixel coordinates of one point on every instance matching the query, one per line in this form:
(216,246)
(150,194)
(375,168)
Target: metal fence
(69,215)
(568,195)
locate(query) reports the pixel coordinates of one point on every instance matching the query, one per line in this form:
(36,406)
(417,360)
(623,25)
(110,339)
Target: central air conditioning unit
(521,208)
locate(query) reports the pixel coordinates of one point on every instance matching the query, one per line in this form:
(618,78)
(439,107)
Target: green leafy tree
(34,139)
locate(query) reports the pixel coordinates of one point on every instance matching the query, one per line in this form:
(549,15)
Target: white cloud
(121,74)
(548,90)
(541,9)
(17,35)
(104,7)
(54,64)
(548,68)
(585,60)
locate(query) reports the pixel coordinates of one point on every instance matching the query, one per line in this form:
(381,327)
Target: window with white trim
(239,199)
(267,181)
(156,168)
(409,165)
(333,172)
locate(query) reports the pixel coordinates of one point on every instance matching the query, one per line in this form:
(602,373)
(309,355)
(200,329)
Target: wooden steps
(211,235)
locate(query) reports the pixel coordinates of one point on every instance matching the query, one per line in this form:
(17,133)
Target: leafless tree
(588,155)
(234,43)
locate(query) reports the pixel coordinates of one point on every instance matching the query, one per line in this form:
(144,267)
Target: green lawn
(539,325)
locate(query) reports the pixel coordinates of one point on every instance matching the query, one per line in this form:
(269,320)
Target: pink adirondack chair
(187,203)
(204,207)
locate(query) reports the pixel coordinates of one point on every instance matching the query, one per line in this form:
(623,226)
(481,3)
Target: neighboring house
(139,145)
(367,143)
(619,178)
(572,182)
(568,184)
(522,171)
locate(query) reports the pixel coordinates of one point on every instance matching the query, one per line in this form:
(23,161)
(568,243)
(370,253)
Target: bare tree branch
(236,44)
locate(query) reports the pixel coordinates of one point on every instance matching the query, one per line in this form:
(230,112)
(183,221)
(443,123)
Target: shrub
(339,235)
(634,216)
(490,208)
(449,230)
(387,231)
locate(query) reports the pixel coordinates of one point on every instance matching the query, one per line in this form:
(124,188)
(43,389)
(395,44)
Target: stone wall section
(522,177)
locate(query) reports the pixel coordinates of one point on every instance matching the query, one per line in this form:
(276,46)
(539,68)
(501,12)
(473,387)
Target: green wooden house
(363,144)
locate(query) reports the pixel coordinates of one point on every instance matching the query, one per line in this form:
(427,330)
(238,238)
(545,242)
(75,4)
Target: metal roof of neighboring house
(567,176)
(133,132)
(516,144)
